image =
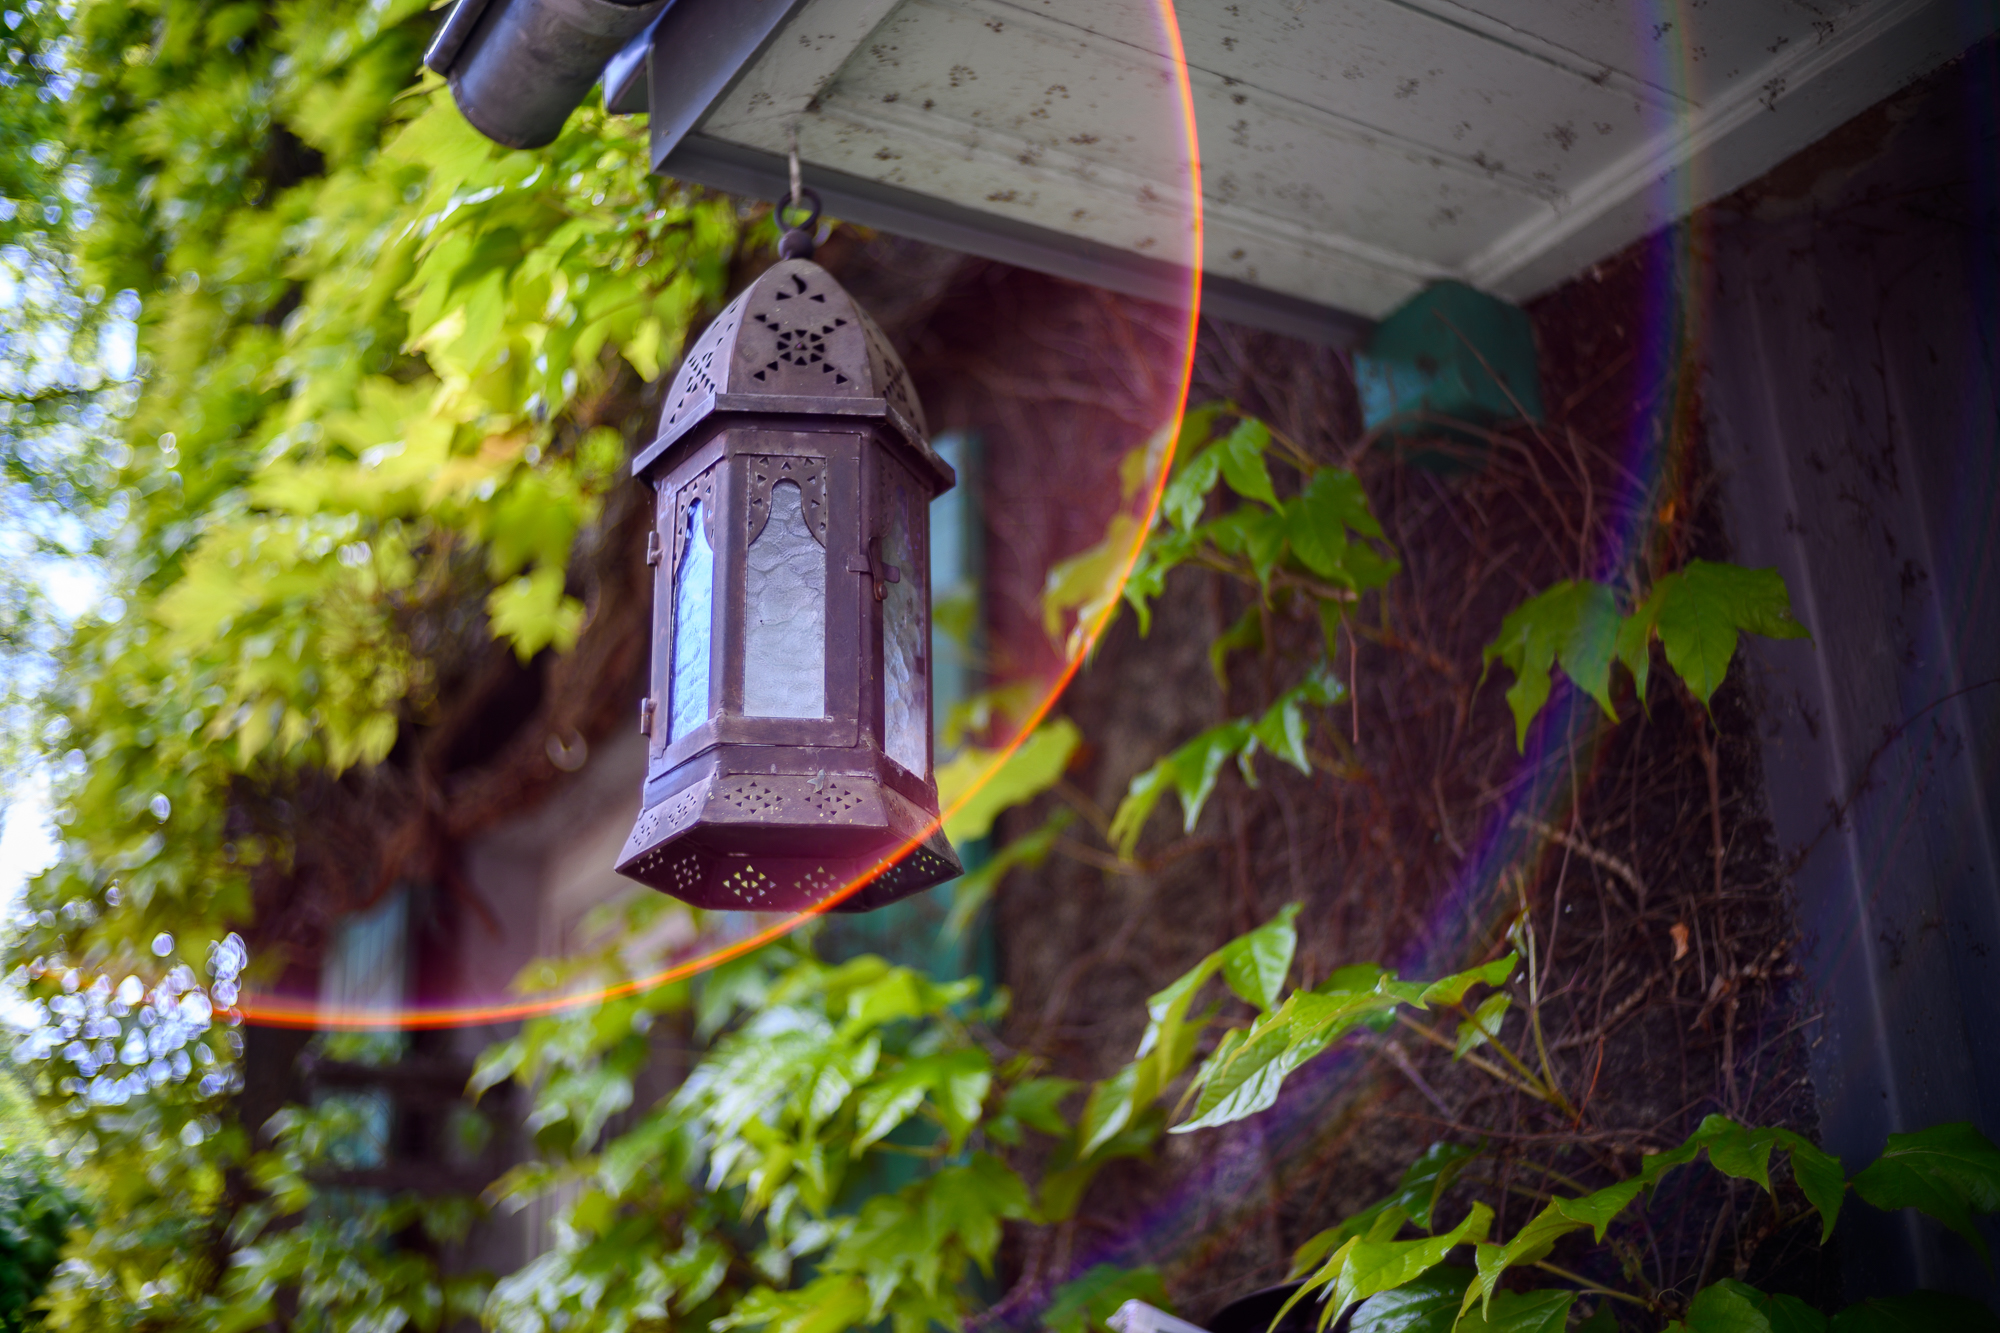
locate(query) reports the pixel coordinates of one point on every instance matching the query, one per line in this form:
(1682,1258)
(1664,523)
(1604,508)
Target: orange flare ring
(281,1012)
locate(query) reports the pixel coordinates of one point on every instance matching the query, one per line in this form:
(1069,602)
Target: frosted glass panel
(694,596)
(784,634)
(906,709)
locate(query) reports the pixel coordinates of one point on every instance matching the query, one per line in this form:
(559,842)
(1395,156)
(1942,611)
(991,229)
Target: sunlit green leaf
(1483,1026)
(976,785)
(1255,965)
(1370,1264)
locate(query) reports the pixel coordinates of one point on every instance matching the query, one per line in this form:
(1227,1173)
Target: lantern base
(767,842)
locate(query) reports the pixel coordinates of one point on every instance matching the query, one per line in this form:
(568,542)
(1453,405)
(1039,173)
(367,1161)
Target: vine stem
(1210,558)
(1526,1083)
(1591,1288)
(1555,1095)
(1711,764)
(1555,1175)
(1298,457)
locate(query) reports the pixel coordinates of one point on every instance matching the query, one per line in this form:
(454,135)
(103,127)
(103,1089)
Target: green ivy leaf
(1596,1210)
(1722,1308)
(1452,989)
(1246,635)
(533,613)
(1244,1077)
(1084,1303)
(1483,1026)
(495,1065)
(1534,1241)
(1428,1304)
(1820,1178)
(1416,1197)
(1574,623)
(1522,1312)
(1697,612)
(955,1082)
(1370,1264)
(971,891)
(1948,1171)
(1087,583)
(1702,608)
(1744,1154)
(1785,1313)
(1112,1104)
(1037,1102)
(1187,494)
(1255,965)
(1192,770)
(1163,553)
(1252,532)
(1242,452)
(1318,523)
(1284,728)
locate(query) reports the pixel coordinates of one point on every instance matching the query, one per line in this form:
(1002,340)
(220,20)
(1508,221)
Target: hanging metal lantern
(789,715)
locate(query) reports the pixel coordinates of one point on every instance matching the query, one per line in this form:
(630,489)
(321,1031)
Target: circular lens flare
(274,1010)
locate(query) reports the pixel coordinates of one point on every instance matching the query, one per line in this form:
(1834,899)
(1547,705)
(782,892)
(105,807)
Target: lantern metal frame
(764,813)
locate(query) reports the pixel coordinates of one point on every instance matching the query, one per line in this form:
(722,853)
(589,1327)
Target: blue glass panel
(694,613)
(906,707)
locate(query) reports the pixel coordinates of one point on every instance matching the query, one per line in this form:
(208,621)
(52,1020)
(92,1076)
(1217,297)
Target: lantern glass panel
(694,614)
(784,632)
(906,709)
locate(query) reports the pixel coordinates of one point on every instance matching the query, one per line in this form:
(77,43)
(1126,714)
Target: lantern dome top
(793,342)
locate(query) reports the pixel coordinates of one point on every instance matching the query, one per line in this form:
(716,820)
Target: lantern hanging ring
(797,242)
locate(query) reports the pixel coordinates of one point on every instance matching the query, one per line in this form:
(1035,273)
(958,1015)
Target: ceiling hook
(797,240)
(792,139)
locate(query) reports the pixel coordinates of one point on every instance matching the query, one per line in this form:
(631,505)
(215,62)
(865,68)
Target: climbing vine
(380,380)
(750,1171)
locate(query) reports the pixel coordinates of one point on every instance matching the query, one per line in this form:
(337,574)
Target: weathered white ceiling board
(1352,150)
(1066,124)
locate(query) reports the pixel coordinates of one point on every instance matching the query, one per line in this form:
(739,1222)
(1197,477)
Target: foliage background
(384,373)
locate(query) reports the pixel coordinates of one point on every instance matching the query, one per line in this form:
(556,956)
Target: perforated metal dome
(793,333)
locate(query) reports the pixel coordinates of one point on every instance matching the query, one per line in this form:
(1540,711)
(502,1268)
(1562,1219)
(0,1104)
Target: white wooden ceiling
(1351,150)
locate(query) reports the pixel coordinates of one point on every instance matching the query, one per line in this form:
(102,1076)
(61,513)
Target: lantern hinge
(646,716)
(655,548)
(880,571)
